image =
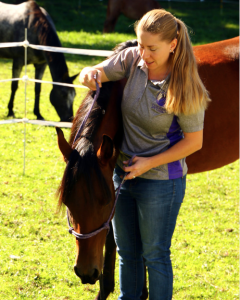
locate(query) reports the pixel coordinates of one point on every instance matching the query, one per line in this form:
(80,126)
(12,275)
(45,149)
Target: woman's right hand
(88,77)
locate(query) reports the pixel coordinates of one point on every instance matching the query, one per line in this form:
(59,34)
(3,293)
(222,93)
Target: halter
(105,225)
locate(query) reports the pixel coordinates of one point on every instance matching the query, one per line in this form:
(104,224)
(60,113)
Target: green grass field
(36,251)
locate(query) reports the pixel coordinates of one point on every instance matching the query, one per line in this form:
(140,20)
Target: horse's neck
(55,60)
(40,21)
(58,67)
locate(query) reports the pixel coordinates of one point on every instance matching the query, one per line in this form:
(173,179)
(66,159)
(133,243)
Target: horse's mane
(83,161)
(41,24)
(124,45)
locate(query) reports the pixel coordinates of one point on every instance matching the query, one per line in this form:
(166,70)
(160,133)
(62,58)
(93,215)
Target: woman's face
(153,51)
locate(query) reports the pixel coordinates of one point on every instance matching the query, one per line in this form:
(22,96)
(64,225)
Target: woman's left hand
(139,166)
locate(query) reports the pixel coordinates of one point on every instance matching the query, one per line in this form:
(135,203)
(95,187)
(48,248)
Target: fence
(25,78)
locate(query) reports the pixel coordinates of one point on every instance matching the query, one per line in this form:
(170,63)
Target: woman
(163,110)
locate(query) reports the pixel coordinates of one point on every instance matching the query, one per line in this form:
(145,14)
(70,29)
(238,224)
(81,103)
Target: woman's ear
(173,45)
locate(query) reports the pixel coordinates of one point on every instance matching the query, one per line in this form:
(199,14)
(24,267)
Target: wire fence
(25,79)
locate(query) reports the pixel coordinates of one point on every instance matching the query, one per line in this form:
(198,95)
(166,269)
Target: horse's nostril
(85,278)
(95,274)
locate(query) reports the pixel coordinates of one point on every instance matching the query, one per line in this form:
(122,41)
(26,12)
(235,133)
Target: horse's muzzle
(86,278)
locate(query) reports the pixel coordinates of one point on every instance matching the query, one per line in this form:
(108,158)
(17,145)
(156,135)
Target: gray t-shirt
(148,128)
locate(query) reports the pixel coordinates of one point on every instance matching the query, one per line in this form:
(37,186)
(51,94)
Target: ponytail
(186,92)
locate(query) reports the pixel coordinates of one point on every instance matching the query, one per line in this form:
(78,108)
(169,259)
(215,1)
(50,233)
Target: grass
(36,251)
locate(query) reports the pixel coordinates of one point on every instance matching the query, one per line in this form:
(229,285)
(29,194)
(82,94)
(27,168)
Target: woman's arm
(191,143)
(87,76)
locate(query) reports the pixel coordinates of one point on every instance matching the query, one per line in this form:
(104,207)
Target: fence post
(25,106)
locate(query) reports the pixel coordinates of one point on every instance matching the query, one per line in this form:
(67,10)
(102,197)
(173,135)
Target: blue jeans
(143,224)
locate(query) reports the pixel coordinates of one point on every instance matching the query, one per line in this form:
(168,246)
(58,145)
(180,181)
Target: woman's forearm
(190,144)
(182,149)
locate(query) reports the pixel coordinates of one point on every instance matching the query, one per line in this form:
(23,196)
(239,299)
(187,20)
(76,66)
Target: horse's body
(219,70)
(133,9)
(40,31)
(218,65)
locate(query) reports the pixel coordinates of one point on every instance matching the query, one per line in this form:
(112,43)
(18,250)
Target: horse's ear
(105,151)
(73,77)
(63,145)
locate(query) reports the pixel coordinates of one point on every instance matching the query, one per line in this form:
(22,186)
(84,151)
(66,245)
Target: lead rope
(106,224)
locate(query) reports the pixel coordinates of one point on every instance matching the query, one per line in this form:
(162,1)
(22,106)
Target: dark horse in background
(40,31)
(87,187)
(132,9)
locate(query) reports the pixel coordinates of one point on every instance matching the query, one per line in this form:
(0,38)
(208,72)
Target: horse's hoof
(40,118)
(11,115)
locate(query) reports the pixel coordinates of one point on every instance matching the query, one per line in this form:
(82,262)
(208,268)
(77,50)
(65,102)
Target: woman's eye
(152,49)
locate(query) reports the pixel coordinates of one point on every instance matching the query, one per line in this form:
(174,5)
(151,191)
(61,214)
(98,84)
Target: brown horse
(87,188)
(88,178)
(133,9)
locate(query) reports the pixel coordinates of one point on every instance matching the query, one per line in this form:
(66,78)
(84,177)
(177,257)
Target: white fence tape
(25,78)
(13,79)
(38,122)
(90,52)
(56,83)
(7,45)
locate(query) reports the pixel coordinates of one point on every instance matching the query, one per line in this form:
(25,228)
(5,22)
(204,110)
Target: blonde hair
(186,92)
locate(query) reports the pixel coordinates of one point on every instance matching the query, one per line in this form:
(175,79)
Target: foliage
(36,251)
(208,21)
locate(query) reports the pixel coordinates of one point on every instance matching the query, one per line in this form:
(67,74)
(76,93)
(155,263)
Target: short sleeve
(118,66)
(191,123)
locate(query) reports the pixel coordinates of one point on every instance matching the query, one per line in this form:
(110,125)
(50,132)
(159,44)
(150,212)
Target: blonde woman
(163,112)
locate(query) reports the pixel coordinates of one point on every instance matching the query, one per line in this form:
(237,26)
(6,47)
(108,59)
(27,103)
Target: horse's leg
(113,12)
(39,70)
(109,265)
(16,71)
(109,268)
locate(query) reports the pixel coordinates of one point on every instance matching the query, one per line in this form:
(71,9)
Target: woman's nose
(145,54)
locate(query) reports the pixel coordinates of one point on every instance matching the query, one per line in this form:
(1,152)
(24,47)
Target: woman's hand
(139,166)
(88,77)
(191,143)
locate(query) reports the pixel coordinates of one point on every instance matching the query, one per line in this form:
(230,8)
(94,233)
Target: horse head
(88,192)
(62,98)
